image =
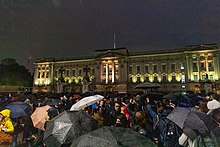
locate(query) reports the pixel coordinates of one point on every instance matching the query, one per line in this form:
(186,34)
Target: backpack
(169,133)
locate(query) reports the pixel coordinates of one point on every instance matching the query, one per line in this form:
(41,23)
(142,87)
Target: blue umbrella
(18,109)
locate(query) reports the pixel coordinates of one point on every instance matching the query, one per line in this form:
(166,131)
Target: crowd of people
(146,115)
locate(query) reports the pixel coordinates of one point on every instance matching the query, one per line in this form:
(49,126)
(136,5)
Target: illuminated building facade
(192,68)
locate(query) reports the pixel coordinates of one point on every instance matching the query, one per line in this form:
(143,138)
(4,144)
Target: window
(47,74)
(211,77)
(202,65)
(195,68)
(67,73)
(138,69)
(93,71)
(203,77)
(183,79)
(130,69)
(147,79)
(74,72)
(210,64)
(173,68)
(131,79)
(182,66)
(38,74)
(56,73)
(155,79)
(43,75)
(146,69)
(155,68)
(164,68)
(173,78)
(138,79)
(195,77)
(80,72)
(164,78)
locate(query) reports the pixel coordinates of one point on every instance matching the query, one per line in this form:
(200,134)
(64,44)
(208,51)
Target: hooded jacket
(6,125)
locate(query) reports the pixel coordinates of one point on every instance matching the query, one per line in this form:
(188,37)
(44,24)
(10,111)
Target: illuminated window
(195,68)
(182,66)
(195,77)
(211,77)
(203,77)
(183,80)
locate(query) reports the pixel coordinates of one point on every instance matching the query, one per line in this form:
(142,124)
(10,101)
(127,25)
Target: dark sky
(72,28)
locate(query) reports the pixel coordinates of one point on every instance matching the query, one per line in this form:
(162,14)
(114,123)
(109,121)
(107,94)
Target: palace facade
(192,68)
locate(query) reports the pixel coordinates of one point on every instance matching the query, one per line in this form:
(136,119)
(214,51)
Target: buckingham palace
(191,68)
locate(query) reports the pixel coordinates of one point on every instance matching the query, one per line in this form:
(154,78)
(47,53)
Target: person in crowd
(98,116)
(114,113)
(191,138)
(214,103)
(125,112)
(52,112)
(140,124)
(121,121)
(18,129)
(6,128)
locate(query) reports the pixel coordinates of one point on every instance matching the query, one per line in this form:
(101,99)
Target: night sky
(31,29)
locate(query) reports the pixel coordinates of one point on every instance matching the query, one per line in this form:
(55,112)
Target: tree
(15,75)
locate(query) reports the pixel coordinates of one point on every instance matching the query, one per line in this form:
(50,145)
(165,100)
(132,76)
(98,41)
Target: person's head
(4,114)
(215,96)
(52,112)
(101,103)
(120,121)
(139,117)
(117,106)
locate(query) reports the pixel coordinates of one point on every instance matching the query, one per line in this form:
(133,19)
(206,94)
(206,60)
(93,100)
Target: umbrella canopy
(180,99)
(193,119)
(152,95)
(51,102)
(67,126)
(19,109)
(86,101)
(147,85)
(39,117)
(112,137)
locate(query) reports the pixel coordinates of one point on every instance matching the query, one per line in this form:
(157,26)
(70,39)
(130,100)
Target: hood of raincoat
(6,113)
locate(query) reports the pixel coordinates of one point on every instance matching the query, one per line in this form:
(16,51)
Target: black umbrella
(112,137)
(19,109)
(51,102)
(152,95)
(193,119)
(67,126)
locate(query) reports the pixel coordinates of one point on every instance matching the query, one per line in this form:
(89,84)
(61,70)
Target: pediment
(110,54)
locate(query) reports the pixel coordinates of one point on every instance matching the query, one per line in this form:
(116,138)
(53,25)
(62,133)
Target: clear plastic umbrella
(86,101)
